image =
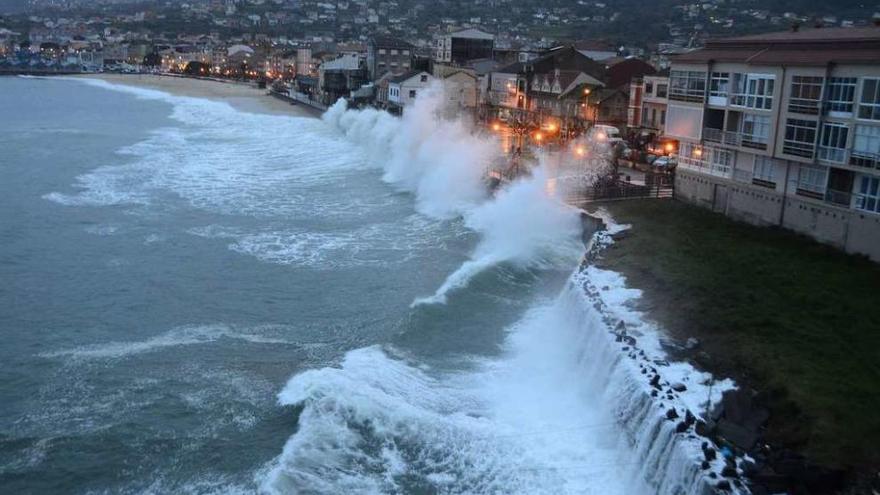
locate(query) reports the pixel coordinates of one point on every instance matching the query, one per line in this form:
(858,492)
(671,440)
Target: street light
(496,126)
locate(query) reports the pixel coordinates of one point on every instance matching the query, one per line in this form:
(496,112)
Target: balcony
(732,138)
(803,106)
(864,159)
(703,167)
(839,198)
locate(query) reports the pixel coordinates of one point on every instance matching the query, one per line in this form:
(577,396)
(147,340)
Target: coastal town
(750,131)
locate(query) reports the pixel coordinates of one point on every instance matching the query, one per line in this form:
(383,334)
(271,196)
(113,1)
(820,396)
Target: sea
(200,299)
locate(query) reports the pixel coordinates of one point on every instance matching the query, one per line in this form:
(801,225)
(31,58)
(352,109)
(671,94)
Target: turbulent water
(196,299)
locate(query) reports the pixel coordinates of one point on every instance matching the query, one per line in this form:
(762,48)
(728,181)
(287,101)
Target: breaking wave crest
(442,163)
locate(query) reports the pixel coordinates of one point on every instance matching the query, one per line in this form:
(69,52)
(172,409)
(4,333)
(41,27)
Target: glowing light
(669,147)
(538,136)
(551,127)
(698,152)
(586,91)
(601,136)
(496,126)
(580,151)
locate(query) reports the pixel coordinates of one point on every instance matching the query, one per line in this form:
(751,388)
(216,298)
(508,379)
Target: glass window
(869,104)
(662,90)
(719,84)
(649,88)
(806,92)
(868,195)
(840,94)
(866,146)
(687,85)
(412,93)
(722,160)
(753,90)
(765,169)
(800,137)
(832,144)
(812,179)
(755,130)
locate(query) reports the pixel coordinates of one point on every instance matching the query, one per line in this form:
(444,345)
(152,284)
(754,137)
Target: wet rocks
(679,387)
(671,414)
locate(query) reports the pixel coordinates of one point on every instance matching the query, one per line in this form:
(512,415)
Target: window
(722,160)
(806,92)
(424,78)
(412,93)
(405,52)
(394,52)
(869,104)
(868,195)
(832,144)
(649,88)
(866,146)
(812,180)
(753,91)
(687,85)
(662,117)
(800,137)
(840,94)
(764,173)
(755,131)
(719,84)
(381,51)
(661,90)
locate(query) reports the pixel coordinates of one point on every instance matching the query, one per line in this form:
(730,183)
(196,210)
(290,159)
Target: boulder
(679,387)
(723,485)
(710,454)
(671,414)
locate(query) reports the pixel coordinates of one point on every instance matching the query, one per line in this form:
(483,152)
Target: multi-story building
(386,54)
(460,46)
(403,89)
(784,129)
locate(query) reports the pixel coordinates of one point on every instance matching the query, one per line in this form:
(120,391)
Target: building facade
(463,45)
(386,54)
(784,129)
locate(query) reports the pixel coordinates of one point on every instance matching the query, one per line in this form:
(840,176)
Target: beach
(245,97)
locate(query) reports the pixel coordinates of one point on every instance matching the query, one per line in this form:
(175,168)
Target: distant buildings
(784,129)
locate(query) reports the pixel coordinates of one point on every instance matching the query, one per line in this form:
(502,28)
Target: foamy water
(291,305)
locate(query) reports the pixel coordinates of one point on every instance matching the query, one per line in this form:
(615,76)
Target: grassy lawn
(797,321)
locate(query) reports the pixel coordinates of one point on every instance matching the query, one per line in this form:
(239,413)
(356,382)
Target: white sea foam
(442,163)
(180,336)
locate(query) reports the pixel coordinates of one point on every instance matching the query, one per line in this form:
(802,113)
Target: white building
(403,89)
(784,129)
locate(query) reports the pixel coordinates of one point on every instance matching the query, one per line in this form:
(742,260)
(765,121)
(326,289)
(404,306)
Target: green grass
(796,320)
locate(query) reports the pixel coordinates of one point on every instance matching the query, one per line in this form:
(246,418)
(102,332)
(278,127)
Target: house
(403,89)
(387,54)
(463,45)
(784,129)
(461,89)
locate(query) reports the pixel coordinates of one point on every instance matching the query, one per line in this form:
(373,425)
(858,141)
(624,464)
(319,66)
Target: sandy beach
(244,97)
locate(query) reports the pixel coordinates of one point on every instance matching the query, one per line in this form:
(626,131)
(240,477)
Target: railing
(697,165)
(732,138)
(829,154)
(657,186)
(797,148)
(864,159)
(684,94)
(838,197)
(804,106)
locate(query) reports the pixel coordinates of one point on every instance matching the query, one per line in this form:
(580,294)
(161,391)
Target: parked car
(664,163)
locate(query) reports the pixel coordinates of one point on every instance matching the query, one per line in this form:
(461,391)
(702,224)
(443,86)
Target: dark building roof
(404,76)
(619,73)
(807,47)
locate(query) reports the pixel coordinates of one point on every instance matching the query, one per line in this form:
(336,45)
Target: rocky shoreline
(735,427)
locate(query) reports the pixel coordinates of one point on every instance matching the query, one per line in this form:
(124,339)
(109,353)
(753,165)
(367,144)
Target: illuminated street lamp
(496,127)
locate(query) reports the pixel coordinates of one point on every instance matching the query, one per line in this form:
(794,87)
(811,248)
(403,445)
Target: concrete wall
(850,230)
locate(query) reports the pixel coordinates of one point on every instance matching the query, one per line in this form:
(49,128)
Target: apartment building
(387,54)
(784,129)
(463,45)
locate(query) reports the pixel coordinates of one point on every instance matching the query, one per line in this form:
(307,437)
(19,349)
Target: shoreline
(241,96)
